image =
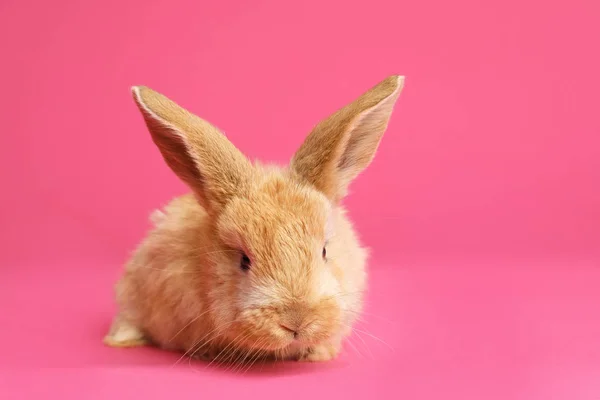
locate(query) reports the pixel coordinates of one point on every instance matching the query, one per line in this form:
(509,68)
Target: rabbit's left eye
(245,263)
(324,253)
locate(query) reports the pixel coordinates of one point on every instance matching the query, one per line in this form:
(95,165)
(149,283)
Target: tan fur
(183,288)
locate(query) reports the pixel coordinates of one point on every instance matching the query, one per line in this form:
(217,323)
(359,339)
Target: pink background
(482,206)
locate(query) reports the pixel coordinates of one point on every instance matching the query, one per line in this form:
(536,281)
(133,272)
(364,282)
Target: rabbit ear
(195,150)
(344,144)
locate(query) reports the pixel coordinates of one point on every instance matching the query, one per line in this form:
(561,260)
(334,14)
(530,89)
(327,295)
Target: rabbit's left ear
(344,144)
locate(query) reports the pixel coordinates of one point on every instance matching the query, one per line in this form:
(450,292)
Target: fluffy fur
(183,288)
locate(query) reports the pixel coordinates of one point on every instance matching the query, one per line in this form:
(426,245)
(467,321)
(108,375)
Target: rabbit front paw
(320,352)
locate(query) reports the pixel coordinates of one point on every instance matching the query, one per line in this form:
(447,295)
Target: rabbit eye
(245,262)
(324,253)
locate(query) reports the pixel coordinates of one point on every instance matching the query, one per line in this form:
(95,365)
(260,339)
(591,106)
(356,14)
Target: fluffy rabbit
(258,261)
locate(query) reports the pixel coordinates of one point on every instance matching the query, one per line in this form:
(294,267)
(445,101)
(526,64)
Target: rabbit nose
(293,317)
(289,329)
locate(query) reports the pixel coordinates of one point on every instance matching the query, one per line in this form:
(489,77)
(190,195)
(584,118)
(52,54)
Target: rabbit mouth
(278,338)
(278,331)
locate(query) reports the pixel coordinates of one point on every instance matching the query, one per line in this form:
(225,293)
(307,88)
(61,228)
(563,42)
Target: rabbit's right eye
(245,262)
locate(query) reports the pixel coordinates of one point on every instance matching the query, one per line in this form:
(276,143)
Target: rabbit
(257,261)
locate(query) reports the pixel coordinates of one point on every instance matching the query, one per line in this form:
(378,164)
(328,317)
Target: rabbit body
(257,261)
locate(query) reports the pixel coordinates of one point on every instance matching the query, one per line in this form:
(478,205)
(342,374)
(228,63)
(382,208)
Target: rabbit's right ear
(343,145)
(196,151)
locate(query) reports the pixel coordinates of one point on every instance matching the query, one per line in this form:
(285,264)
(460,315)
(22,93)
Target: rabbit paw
(321,352)
(124,334)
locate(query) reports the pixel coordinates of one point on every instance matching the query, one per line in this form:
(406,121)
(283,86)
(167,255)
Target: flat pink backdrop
(482,206)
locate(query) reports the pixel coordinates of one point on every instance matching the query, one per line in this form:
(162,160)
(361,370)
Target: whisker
(250,352)
(234,349)
(360,313)
(225,348)
(206,343)
(233,354)
(363,342)
(246,361)
(349,341)
(259,354)
(373,336)
(239,354)
(207,253)
(170,271)
(239,363)
(193,348)
(189,323)
(340,294)
(243,354)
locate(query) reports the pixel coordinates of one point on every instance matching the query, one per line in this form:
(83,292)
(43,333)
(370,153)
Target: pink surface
(482,206)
